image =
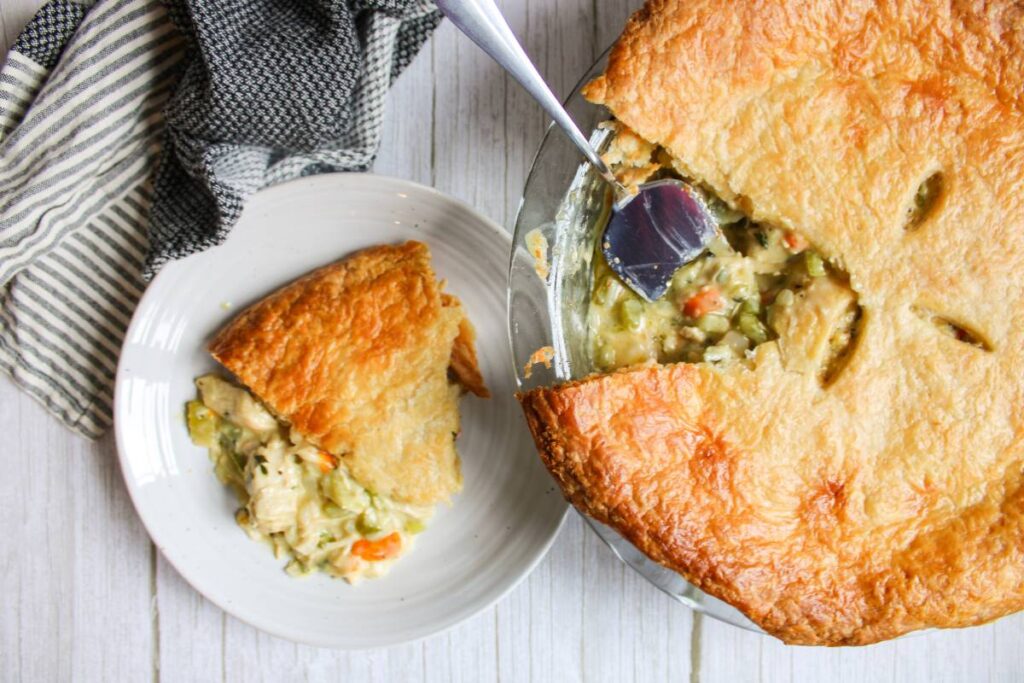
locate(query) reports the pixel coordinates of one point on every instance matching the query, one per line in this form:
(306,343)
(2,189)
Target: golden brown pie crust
(890,499)
(356,356)
(462,366)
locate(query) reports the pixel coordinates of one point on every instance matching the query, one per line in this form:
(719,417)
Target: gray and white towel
(131,134)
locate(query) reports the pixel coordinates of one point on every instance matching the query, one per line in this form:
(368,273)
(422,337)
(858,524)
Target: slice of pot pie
(347,440)
(850,468)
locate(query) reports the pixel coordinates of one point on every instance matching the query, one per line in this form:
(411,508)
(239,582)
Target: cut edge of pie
(365,358)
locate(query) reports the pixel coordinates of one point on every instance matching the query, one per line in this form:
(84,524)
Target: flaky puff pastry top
(890,498)
(365,358)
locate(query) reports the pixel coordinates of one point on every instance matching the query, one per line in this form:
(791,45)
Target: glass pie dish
(550,270)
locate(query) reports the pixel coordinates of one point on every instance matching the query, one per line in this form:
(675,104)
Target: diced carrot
(542,355)
(381,549)
(326,461)
(706,300)
(795,242)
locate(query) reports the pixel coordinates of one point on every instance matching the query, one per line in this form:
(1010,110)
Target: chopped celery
(348,495)
(202,424)
(815,266)
(751,305)
(631,313)
(750,326)
(713,324)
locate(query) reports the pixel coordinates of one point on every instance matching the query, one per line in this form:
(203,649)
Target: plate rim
(122,370)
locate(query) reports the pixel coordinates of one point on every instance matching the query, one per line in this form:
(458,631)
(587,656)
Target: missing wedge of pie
(339,436)
(837,452)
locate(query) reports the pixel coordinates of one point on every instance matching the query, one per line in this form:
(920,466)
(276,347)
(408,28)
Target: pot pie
(341,438)
(840,458)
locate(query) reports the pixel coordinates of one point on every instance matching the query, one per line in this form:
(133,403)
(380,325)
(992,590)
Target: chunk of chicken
(808,326)
(276,484)
(234,404)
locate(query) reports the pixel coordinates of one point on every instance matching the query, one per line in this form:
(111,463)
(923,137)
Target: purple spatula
(651,233)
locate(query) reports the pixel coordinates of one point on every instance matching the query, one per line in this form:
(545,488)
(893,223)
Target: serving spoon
(650,234)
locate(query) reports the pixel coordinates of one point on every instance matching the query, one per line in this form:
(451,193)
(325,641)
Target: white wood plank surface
(85,596)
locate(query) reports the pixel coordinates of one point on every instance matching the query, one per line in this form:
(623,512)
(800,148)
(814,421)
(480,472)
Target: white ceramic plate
(497,529)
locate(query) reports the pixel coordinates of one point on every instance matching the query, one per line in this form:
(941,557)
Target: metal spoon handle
(482,22)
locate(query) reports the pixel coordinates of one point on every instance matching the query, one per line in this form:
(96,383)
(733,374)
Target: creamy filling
(294,496)
(754,284)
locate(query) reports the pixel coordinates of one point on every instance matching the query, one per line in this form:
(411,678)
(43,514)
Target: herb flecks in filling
(298,498)
(755,284)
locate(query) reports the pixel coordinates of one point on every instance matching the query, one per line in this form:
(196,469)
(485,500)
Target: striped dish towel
(131,133)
